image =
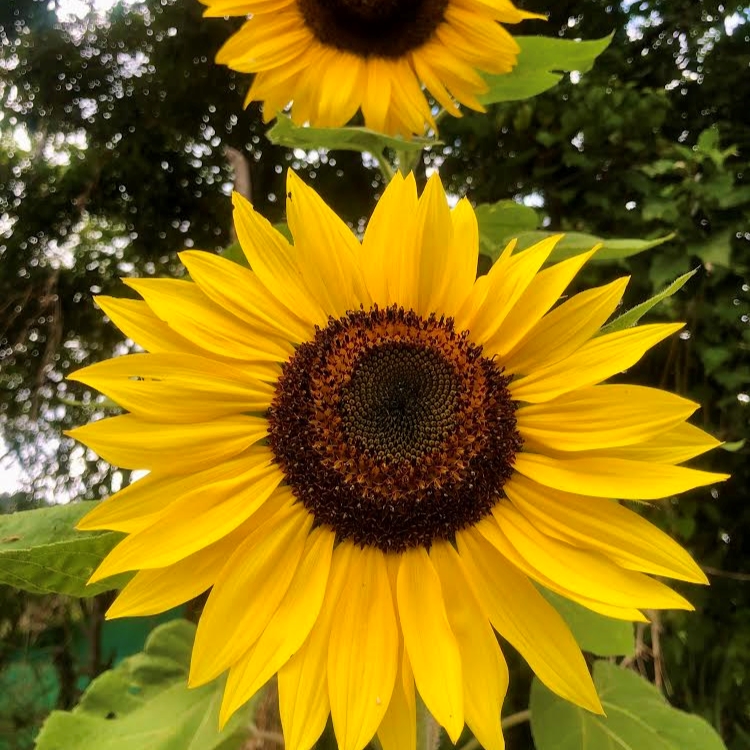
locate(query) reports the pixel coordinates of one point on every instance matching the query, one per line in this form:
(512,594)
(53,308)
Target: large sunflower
(371,457)
(333,57)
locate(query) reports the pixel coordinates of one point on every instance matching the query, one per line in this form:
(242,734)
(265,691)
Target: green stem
(519,718)
(385,167)
(506,723)
(406,161)
(428,730)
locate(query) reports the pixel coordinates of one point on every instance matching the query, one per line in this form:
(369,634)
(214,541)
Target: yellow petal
(288,628)
(491,531)
(171,387)
(464,253)
(613,477)
(303,680)
(398,730)
(402,254)
(241,292)
(561,332)
(431,80)
(531,625)
(507,283)
(363,650)
(602,525)
(340,98)
(273,260)
(327,251)
(139,323)
(150,592)
(486,673)
(138,505)
(679,444)
(430,643)
(434,240)
(602,416)
(376,95)
(585,572)
(385,228)
(187,310)
(199,517)
(134,443)
(594,362)
(258,575)
(544,290)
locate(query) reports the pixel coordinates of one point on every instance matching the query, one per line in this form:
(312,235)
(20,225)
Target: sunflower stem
(406,161)
(385,167)
(508,722)
(428,730)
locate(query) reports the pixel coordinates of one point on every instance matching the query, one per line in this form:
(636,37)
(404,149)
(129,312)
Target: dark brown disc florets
(393,429)
(378,28)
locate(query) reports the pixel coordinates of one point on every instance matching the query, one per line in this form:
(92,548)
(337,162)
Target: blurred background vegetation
(120,141)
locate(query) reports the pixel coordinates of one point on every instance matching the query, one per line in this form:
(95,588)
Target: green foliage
(505,220)
(145,702)
(574,243)
(637,718)
(501,222)
(41,552)
(285,133)
(632,316)
(541,64)
(594,633)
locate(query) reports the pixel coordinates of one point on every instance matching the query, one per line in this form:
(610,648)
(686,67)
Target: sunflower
(333,57)
(373,459)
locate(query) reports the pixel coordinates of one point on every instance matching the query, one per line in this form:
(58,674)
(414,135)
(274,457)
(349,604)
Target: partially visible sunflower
(333,57)
(371,457)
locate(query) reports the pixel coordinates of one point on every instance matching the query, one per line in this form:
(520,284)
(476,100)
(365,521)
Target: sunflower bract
(370,458)
(331,58)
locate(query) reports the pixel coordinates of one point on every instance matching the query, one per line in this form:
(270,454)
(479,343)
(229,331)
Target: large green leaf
(632,316)
(594,633)
(574,243)
(41,552)
(285,133)
(500,222)
(638,718)
(541,64)
(145,703)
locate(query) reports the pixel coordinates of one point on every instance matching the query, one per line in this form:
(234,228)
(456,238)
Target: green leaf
(638,718)
(500,222)
(283,228)
(541,64)
(41,552)
(632,316)
(285,133)
(594,633)
(145,703)
(574,243)
(234,253)
(716,251)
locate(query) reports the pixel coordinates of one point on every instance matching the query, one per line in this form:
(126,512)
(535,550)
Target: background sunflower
(331,58)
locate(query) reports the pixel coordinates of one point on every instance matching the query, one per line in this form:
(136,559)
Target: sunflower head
(331,58)
(372,459)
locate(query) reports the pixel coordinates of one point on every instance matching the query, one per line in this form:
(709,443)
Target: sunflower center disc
(379,28)
(393,429)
